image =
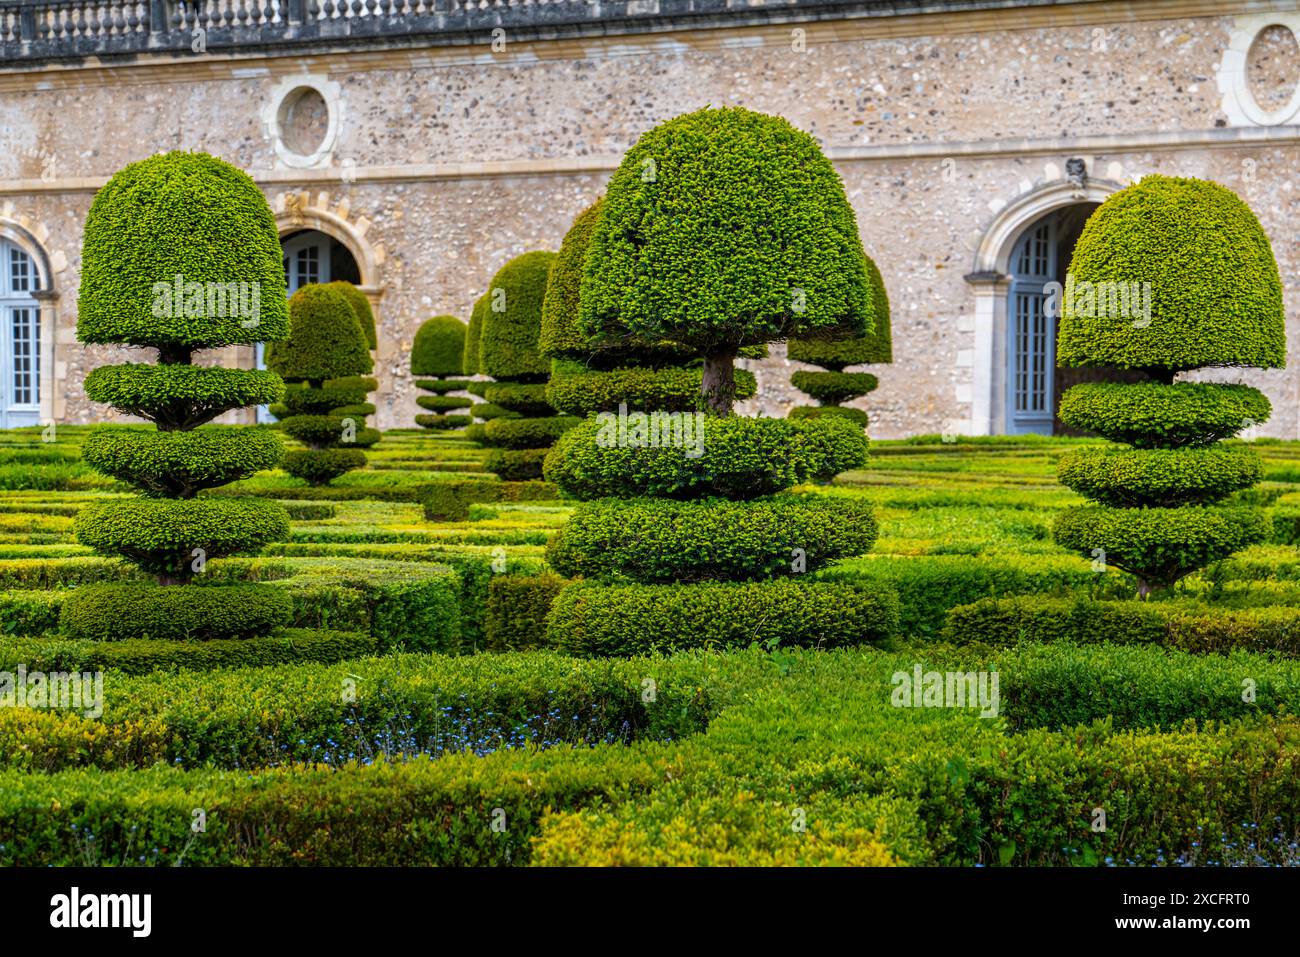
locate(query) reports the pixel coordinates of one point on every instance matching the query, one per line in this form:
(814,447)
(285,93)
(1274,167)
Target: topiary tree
(788,261)
(326,360)
(360,304)
(180,254)
(588,375)
(1169,275)
(835,386)
(439,351)
(509,353)
(741,213)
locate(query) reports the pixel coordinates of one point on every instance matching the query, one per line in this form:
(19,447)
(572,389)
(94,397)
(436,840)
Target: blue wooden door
(1031,332)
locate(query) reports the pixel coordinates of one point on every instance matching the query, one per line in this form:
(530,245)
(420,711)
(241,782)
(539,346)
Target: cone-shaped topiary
(723,229)
(1168,275)
(508,352)
(835,386)
(180,253)
(439,351)
(360,304)
(737,211)
(326,359)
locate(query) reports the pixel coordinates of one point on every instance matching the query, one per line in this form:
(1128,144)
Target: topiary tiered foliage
(483,411)
(193,224)
(598,375)
(714,510)
(508,353)
(1216,300)
(439,352)
(835,386)
(327,363)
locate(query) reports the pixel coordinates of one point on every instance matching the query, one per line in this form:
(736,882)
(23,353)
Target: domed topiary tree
(721,229)
(1169,275)
(661,266)
(180,254)
(597,376)
(361,306)
(508,353)
(326,359)
(438,351)
(834,386)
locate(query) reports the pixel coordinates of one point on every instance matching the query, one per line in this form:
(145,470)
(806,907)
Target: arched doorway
(1040,258)
(20,338)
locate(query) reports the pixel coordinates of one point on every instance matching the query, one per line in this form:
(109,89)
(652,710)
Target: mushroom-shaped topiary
(1169,275)
(508,352)
(835,386)
(180,253)
(360,304)
(327,360)
(438,352)
(723,229)
(739,233)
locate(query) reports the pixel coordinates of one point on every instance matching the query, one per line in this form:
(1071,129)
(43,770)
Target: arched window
(20,339)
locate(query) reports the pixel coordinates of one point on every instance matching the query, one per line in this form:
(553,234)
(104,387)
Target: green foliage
(527,399)
(1216,297)
(325,341)
(439,347)
(560,334)
(527,433)
(179,214)
(443,403)
(1155,415)
(1161,545)
(1197,629)
(302,399)
(512,319)
(1161,478)
(443,386)
(856,416)
(443,421)
(517,606)
(662,540)
(471,361)
(659,267)
(516,465)
(361,307)
(160,535)
(836,354)
(132,611)
(180,464)
(740,458)
(180,396)
(832,388)
(450,501)
(665,389)
(322,466)
(599,620)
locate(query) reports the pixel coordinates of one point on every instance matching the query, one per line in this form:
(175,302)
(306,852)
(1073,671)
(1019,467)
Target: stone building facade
(416,146)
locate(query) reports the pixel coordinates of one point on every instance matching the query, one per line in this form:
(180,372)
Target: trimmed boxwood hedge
(160,535)
(516,465)
(1163,478)
(512,319)
(526,433)
(301,399)
(1161,545)
(611,620)
(450,501)
(524,398)
(856,416)
(180,464)
(666,390)
(443,386)
(832,388)
(471,363)
(180,396)
(443,421)
(1216,296)
(178,214)
(517,606)
(663,540)
(1155,415)
(127,611)
(322,466)
(741,458)
(836,354)
(326,340)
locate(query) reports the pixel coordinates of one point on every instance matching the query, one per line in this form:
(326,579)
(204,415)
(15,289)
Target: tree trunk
(718,384)
(1144,589)
(175,355)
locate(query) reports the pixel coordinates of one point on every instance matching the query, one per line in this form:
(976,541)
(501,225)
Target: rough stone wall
(934,133)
